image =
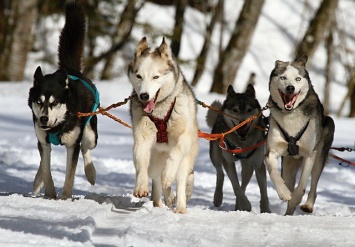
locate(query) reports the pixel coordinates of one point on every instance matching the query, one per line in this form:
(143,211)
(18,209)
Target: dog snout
(290,89)
(44,120)
(144,96)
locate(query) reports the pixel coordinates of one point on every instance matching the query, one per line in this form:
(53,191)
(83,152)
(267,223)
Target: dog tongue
(289,100)
(149,106)
(243,131)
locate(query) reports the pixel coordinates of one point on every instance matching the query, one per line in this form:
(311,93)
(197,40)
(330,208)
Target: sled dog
(241,106)
(55,100)
(165,127)
(299,133)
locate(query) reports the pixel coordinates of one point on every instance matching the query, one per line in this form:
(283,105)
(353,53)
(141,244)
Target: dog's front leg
(297,195)
(45,174)
(141,158)
(72,161)
(271,164)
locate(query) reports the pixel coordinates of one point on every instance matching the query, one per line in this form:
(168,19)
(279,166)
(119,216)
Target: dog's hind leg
(38,183)
(45,166)
(88,142)
(182,179)
(247,173)
(260,173)
(190,185)
(156,193)
(216,158)
(290,167)
(72,161)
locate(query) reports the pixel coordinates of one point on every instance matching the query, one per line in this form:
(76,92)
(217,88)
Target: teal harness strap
(54,137)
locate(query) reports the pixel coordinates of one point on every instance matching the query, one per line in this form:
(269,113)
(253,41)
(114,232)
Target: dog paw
(217,200)
(65,196)
(284,193)
(181,210)
(141,191)
(90,173)
(307,208)
(158,204)
(50,193)
(167,182)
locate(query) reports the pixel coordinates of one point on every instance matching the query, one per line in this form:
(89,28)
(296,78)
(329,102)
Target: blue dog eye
(298,78)
(39,101)
(283,78)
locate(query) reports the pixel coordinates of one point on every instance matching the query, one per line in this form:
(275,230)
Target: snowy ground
(107,215)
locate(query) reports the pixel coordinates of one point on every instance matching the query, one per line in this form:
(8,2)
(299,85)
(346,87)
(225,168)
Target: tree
(17,20)
(233,55)
(317,28)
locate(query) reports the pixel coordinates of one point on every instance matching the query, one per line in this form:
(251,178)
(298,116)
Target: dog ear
(230,90)
(38,76)
(164,49)
(142,46)
(250,90)
(302,61)
(279,63)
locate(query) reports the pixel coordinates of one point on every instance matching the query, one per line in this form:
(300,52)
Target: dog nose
(44,119)
(290,89)
(144,96)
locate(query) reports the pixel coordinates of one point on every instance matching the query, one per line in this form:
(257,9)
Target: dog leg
(260,173)
(156,193)
(88,142)
(190,185)
(38,183)
(290,166)
(181,184)
(141,156)
(247,173)
(271,164)
(216,158)
(242,202)
(72,161)
(45,153)
(169,198)
(301,187)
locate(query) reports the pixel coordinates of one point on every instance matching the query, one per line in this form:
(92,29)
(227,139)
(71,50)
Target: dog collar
(161,124)
(293,148)
(54,138)
(239,156)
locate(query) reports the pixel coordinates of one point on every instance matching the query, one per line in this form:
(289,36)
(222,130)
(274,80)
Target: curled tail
(212,115)
(72,37)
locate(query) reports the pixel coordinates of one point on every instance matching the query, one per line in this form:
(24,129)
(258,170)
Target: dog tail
(72,37)
(212,115)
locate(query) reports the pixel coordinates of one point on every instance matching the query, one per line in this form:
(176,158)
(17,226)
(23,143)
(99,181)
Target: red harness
(161,125)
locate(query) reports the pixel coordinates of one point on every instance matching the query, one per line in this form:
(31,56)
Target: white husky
(165,127)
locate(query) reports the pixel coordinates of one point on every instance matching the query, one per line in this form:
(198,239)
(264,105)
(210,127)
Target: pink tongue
(149,107)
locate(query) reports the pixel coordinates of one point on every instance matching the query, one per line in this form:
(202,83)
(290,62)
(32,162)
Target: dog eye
(55,102)
(283,78)
(298,78)
(234,110)
(249,110)
(155,77)
(139,76)
(39,102)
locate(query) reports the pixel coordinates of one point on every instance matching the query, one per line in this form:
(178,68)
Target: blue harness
(54,137)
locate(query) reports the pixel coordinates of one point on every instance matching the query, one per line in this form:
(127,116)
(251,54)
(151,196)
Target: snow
(107,214)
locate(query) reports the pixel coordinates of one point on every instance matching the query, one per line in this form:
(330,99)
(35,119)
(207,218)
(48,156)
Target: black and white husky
(240,106)
(55,100)
(299,133)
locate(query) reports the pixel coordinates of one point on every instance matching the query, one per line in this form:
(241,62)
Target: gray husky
(241,106)
(165,126)
(299,133)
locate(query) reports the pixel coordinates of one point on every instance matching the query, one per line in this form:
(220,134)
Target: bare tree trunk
(123,30)
(237,47)
(352,93)
(328,73)
(317,28)
(178,28)
(18,18)
(201,60)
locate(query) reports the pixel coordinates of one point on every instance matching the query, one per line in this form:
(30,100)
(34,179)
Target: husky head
(289,83)
(153,74)
(241,106)
(48,98)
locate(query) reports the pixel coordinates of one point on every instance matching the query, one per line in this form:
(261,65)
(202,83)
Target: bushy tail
(72,37)
(212,115)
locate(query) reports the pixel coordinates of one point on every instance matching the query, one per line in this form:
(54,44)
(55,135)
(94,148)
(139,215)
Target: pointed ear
(142,46)
(38,76)
(164,49)
(250,90)
(302,61)
(230,90)
(279,63)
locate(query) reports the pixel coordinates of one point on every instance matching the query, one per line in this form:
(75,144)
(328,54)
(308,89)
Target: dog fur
(55,99)
(296,113)
(241,106)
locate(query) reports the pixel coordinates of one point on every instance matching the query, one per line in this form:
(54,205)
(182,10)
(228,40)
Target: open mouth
(242,131)
(149,106)
(288,99)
